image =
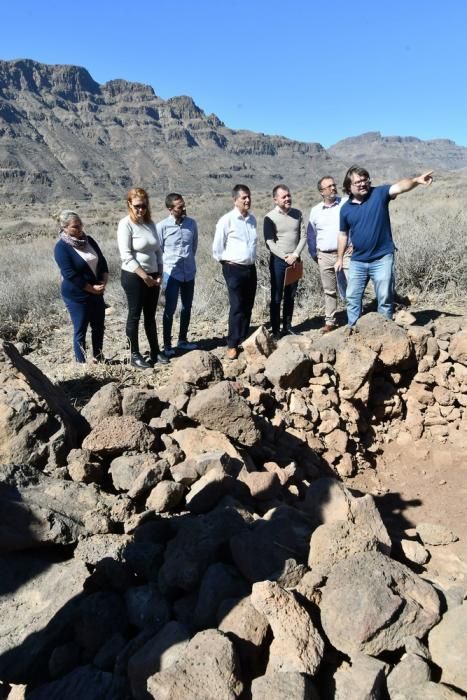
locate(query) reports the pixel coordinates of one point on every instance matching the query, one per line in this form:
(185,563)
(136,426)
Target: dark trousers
(141,299)
(90,312)
(277,268)
(174,288)
(241,286)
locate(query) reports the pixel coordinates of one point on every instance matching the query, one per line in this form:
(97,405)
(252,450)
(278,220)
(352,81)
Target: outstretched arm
(410,183)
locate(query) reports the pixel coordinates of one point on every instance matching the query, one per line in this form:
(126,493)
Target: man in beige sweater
(285,238)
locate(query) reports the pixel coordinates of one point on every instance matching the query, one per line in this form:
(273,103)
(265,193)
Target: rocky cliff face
(62,135)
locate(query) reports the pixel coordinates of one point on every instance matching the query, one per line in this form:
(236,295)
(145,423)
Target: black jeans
(141,299)
(241,286)
(277,268)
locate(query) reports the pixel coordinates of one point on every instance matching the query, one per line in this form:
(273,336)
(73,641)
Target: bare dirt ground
(421,481)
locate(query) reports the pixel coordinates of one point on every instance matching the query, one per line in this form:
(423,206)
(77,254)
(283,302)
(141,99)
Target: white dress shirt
(235,238)
(324,225)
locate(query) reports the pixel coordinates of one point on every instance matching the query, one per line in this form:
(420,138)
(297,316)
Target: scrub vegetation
(429,227)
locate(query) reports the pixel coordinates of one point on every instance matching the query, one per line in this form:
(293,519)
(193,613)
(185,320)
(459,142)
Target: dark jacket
(76,272)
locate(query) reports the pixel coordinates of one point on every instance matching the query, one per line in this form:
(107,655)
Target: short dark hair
(240,188)
(321,179)
(286,188)
(171,199)
(353,170)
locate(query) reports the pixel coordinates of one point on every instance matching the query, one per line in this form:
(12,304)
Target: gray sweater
(284,233)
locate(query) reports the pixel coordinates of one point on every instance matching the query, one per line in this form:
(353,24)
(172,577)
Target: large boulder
(386,338)
(363,679)
(83,682)
(219,583)
(198,543)
(221,408)
(297,644)
(208,669)
(199,368)
(354,526)
(106,402)
(258,346)
(288,367)
(248,629)
(371,604)
(458,347)
(196,442)
(38,424)
(447,644)
(283,685)
(37,509)
(127,469)
(39,602)
(157,654)
(118,434)
(261,550)
(142,404)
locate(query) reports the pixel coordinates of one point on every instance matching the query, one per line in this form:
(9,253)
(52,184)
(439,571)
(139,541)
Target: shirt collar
(334,204)
(239,215)
(172,220)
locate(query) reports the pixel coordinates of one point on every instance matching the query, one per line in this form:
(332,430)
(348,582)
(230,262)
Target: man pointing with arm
(365,217)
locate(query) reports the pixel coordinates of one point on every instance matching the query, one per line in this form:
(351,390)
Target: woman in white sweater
(141,275)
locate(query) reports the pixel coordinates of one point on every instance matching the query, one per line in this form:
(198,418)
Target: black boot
(160,358)
(139,362)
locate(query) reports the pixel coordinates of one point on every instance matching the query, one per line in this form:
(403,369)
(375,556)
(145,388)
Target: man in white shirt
(234,246)
(322,235)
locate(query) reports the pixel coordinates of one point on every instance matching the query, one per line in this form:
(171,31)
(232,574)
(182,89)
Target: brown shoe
(231,354)
(328,328)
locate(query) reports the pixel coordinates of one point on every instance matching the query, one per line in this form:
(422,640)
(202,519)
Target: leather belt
(234,264)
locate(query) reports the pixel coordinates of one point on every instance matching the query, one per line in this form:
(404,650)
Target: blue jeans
(277,268)
(380,272)
(83,314)
(173,288)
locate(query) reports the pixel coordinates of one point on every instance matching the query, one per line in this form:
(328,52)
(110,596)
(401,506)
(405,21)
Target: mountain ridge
(63,135)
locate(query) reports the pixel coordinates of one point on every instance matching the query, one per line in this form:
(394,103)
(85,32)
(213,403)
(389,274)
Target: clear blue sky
(313,71)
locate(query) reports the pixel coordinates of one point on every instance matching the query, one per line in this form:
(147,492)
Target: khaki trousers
(326,262)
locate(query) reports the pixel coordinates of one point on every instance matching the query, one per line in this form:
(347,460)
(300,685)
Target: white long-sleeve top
(139,246)
(235,238)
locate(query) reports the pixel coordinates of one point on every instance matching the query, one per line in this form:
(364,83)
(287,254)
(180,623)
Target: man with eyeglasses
(322,235)
(365,218)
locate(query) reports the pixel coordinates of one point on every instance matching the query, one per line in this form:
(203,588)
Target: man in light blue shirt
(179,240)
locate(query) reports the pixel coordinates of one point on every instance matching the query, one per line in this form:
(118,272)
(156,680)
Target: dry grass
(429,228)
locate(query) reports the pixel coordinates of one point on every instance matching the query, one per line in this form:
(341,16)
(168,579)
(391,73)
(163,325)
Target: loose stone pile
(196,540)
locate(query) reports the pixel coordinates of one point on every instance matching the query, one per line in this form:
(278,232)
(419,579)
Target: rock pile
(197,541)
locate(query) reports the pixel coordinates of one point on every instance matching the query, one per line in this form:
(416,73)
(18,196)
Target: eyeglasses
(139,206)
(329,187)
(360,183)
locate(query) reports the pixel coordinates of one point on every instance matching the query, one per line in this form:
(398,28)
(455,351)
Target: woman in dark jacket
(84,277)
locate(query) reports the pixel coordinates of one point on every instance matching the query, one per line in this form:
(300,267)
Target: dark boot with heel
(138,361)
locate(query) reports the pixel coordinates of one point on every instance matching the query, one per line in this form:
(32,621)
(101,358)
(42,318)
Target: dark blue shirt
(369,225)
